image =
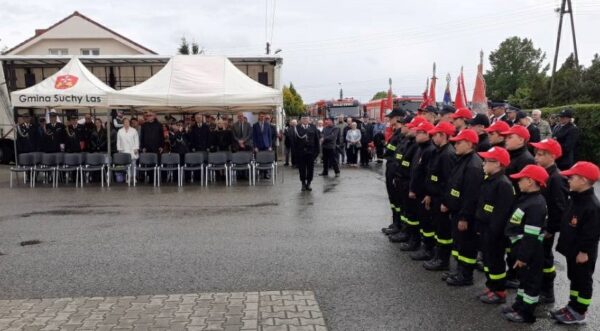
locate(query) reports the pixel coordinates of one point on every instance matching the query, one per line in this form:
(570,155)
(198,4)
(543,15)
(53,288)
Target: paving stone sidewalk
(266,311)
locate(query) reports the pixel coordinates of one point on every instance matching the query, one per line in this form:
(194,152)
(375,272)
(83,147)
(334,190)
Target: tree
(184,48)
(292,101)
(381,95)
(567,83)
(515,64)
(590,82)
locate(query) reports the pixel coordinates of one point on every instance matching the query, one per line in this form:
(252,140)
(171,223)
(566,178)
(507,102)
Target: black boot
(547,296)
(399,237)
(463,278)
(411,245)
(423,254)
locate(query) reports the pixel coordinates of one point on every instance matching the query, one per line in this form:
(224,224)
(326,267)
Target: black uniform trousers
(306,167)
(410,211)
(530,279)
(330,160)
(442,228)
(426,228)
(581,279)
(549,269)
(394,196)
(465,246)
(493,249)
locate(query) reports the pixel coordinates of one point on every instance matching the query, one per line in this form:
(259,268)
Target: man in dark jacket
(329,144)
(152,137)
(556,195)
(25,135)
(199,135)
(578,241)
(567,135)
(262,136)
(461,200)
(242,134)
(479,123)
(307,149)
(516,144)
(54,134)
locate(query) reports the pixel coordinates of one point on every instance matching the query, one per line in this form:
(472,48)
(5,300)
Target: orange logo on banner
(65,81)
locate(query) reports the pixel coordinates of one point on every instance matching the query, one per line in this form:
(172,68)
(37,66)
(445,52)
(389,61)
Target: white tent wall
(6,113)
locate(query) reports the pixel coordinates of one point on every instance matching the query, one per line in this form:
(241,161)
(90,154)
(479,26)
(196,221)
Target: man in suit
(262,137)
(198,134)
(567,135)
(242,134)
(330,142)
(307,149)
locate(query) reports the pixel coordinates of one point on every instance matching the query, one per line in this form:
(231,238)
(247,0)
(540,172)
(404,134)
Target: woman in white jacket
(128,140)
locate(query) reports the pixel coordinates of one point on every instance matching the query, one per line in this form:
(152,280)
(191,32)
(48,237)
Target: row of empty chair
(57,166)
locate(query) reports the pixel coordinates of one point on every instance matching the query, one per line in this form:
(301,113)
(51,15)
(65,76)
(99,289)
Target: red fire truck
(377,108)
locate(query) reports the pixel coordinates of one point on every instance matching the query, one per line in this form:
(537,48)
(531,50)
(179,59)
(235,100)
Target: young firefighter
(440,166)
(493,210)
(578,241)
(525,231)
(461,200)
(556,195)
(494,132)
(417,191)
(408,238)
(390,168)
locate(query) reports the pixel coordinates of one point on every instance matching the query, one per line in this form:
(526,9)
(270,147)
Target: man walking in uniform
(307,149)
(329,141)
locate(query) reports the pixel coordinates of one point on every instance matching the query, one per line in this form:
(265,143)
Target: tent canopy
(73,86)
(198,83)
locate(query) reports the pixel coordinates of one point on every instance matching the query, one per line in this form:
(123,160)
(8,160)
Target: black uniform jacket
(495,202)
(556,194)
(439,169)
(463,186)
(580,227)
(419,171)
(526,224)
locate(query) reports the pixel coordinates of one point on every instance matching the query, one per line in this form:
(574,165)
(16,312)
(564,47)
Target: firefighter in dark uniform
(390,169)
(556,194)
(402,180)
(461,200)
(75,136)
(53,135)
(25,135)
(578,241)
(307,150)
(525,231)
(493,210)
(417,191)
(567,135)
(479,123)
(516,143)
(440,166)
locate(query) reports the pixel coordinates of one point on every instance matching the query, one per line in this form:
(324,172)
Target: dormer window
(90,51)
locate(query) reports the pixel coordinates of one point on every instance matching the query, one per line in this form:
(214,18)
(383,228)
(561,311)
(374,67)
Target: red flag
(479,99)
(425,97)
(460,101)
(431,99)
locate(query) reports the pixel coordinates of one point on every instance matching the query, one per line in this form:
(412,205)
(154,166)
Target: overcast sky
(358,43)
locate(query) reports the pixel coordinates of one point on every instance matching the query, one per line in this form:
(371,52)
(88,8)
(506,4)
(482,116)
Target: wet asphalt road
(136,241)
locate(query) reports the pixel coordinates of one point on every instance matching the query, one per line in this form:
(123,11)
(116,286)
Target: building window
(263,78)
(59,51)
(90,51)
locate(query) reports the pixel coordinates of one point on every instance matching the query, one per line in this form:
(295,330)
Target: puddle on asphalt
(68,212)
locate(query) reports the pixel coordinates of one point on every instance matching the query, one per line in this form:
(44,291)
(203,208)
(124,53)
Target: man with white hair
(543,125)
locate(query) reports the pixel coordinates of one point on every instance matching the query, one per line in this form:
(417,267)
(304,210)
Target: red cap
(416,121)
(519,130)
(463,113)
(550,145)
(499,127)
(535,172)
(443,127)
(497,153)
(584,169)
(468,135)
(423,126)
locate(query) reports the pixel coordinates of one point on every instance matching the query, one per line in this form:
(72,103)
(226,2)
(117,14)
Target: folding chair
(120,162)
(71,162)
(146,162)
(94,162)
(241,161)
(193,162)
(265,160)
(217,161)
(47,166)
(26,165)
(169,163)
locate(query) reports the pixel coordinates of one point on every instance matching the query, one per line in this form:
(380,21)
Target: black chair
(94,162)
(120,162)
(169,163)
(60,158)
(193,162)
(48,165)
(217,161)
(146,162)
(25,166)
(241,161)
(71,162)
(265,160)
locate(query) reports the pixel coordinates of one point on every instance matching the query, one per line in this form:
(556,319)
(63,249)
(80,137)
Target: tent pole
(108,124)
(16,137)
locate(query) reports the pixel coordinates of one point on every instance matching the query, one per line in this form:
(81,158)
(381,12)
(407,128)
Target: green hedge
(587,119)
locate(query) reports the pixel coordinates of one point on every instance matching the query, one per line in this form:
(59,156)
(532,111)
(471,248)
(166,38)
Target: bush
(587,119)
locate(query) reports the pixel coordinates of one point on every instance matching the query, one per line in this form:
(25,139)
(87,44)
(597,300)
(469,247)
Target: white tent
(73,86)
(199,83)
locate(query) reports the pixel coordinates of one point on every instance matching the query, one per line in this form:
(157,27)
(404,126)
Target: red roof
(39,32)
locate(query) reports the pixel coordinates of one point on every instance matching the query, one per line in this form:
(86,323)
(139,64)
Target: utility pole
(566,7)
